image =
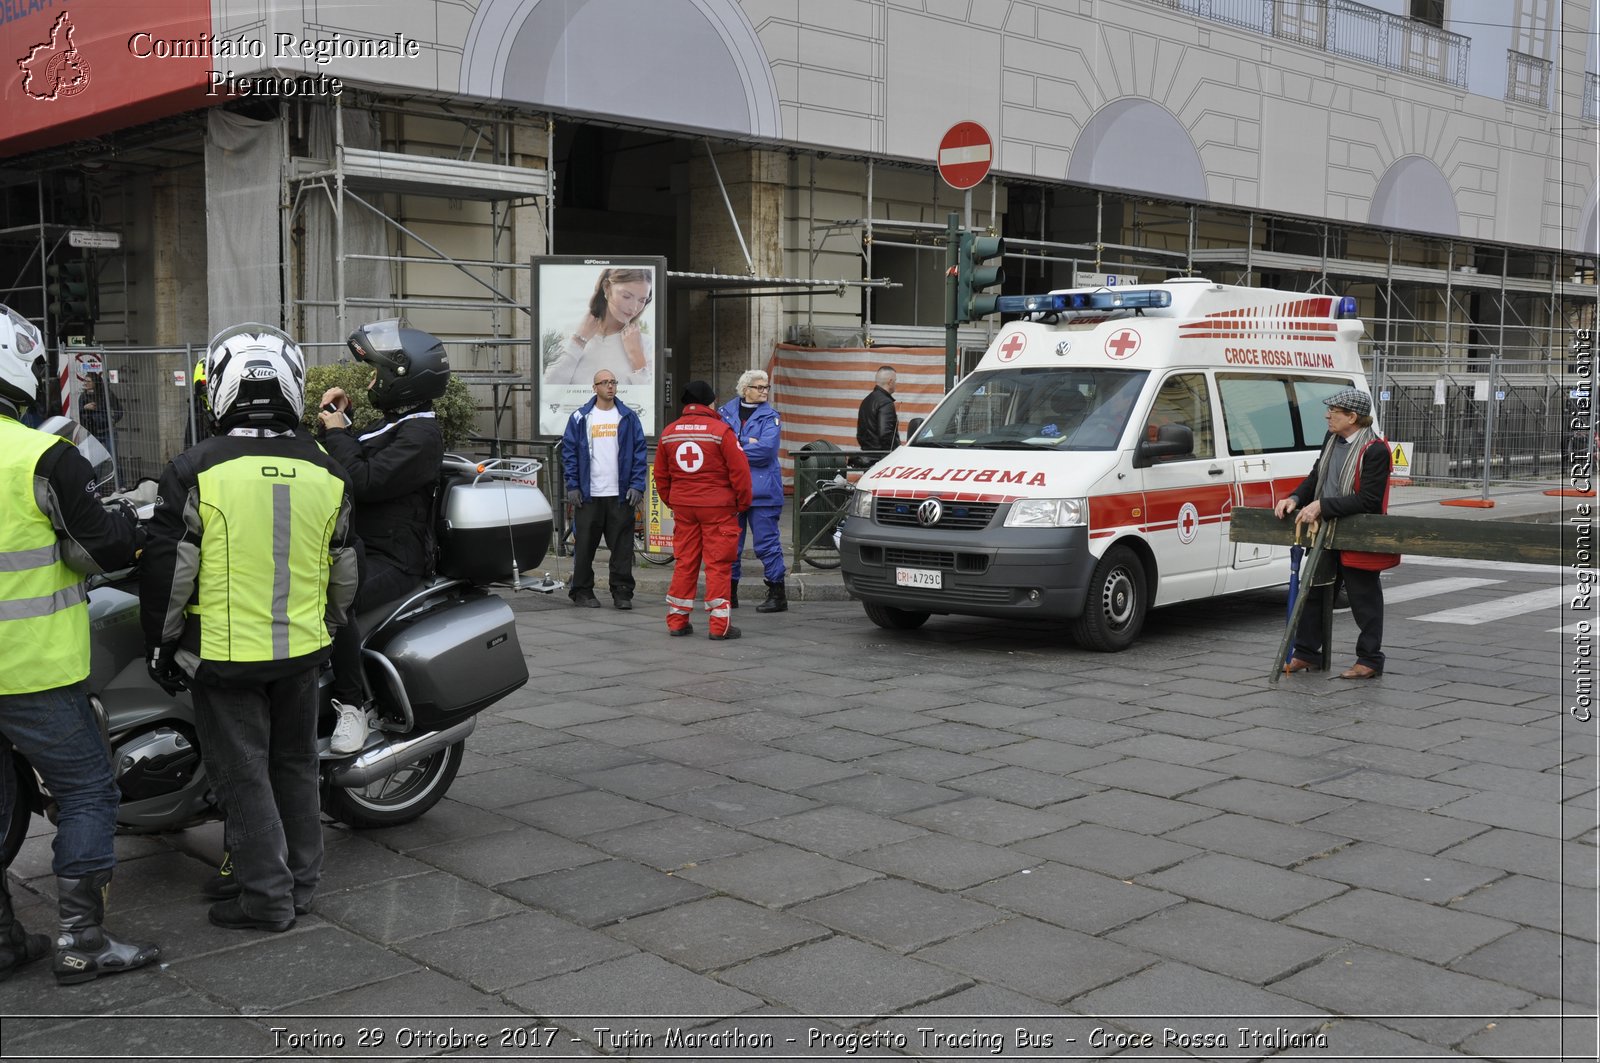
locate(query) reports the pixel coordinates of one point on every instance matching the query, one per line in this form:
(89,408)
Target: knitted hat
(1353,399)
(698,391)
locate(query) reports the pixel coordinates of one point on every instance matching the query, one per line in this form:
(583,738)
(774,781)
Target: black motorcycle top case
(457,658)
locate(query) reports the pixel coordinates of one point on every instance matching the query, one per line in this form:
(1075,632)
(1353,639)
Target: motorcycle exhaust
(384,760)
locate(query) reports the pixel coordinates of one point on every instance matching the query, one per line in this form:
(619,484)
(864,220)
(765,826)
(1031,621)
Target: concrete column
(178,310)
(530,147)
(745,328)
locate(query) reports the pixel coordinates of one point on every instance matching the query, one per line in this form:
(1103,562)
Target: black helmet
(412,365)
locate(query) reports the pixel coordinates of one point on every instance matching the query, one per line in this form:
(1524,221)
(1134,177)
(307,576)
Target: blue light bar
(1067,302)
(1345,307)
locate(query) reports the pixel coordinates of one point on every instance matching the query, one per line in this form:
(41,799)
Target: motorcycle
(434,659)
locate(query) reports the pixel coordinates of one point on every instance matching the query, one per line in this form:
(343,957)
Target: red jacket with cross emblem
(699,462)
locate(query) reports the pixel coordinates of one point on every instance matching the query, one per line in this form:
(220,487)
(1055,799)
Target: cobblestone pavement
(825,837)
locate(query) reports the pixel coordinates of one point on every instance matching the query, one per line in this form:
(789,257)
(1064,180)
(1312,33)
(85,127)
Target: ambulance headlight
(1046,513)
(861,503)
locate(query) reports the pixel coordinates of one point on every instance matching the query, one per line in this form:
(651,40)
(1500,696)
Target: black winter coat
(876,425)
(393,471)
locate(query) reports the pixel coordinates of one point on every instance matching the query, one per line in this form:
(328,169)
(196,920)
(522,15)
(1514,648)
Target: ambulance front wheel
(887,616)
(1114,612)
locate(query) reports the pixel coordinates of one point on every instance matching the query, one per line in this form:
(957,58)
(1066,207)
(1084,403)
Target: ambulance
(1087,469)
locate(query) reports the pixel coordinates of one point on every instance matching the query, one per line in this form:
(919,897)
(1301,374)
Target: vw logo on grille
(929,512)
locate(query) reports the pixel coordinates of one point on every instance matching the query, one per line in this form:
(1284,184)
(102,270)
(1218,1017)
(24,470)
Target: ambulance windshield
(1046,408)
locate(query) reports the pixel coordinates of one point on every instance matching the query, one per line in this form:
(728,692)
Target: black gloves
(634,496)
(165,671)
(574,497)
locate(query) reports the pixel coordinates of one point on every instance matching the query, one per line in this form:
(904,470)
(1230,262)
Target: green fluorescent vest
(264,558)
(44,611)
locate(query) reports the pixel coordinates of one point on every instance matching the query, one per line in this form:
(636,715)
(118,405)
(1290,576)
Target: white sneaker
(350,732)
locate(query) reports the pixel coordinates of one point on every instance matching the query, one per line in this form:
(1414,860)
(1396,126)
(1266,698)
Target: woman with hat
(1350,476)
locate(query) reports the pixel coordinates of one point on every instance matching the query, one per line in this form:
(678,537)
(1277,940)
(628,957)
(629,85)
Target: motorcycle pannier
(492,528)
(457,658)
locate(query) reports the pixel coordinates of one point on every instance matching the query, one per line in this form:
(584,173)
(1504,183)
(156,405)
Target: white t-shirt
(603,452)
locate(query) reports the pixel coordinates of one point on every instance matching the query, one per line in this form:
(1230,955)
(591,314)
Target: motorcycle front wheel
(400,798)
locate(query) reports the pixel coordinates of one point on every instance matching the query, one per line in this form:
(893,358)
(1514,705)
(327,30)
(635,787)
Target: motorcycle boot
(777,600)
(84,951)
(17,946)
(733,594)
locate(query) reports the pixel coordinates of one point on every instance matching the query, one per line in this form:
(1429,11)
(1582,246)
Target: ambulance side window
(1184,398)
(1256,414)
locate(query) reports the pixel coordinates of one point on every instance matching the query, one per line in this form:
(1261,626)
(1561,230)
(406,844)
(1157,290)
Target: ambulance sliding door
(1272,427)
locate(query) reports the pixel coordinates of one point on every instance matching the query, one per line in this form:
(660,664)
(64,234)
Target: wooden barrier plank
(1488,540)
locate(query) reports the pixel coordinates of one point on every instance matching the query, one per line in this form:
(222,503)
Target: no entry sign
(965,154)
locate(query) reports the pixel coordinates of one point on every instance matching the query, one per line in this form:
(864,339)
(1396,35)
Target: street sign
(94,238)
(965,154)
(1084,279)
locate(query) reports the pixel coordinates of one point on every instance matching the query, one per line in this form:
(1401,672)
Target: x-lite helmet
(21,358)
(256,378)
(412,365)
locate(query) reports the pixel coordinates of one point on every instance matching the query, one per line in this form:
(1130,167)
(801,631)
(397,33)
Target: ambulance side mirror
(912,427)
(1171,441)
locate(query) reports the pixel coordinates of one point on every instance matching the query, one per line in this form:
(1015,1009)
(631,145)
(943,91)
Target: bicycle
(822,515)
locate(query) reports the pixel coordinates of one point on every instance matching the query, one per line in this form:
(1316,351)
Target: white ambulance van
(1087,469)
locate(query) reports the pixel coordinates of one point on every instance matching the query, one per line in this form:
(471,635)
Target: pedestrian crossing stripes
(1498,608)
(1428,588)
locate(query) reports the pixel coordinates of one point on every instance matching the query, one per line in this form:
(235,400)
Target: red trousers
(711,532)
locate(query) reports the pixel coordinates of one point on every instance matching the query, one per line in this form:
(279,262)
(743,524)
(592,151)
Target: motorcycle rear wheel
(400,798)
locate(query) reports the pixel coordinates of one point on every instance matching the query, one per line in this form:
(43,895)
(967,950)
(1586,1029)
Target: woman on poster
(608,335)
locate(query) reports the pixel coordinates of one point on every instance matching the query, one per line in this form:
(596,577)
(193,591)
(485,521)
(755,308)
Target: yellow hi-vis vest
(263,583)
(44,611)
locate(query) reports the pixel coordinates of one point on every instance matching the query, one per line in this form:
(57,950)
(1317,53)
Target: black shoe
(622,603)
(230,916)
(680,632)
(731,633)
(587,601)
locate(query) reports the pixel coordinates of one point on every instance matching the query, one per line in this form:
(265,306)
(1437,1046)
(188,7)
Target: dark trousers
(380,582)
(57,731)
(1366,608)
(260,749)
(611,519)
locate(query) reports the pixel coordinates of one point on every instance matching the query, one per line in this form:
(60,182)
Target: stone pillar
(179,311)
(745,329)
(530,147)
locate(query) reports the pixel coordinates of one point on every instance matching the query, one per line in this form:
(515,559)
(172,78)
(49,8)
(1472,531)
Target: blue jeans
(260,749)
(57,731)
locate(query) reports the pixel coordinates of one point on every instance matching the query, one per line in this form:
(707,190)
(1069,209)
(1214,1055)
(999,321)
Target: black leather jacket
(876,425)
(394,471)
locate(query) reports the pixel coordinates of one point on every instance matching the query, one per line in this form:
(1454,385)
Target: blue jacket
(632,466)
(760,437)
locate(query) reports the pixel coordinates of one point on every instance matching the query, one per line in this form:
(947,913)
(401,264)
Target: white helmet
(255,376)
(21,357)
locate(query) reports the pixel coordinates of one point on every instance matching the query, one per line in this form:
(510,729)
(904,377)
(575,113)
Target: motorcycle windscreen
(93,451)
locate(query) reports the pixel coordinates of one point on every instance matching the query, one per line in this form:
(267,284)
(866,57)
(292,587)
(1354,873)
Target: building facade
(322,165)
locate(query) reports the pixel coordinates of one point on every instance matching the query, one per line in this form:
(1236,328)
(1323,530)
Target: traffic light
(973,276)
(70,292)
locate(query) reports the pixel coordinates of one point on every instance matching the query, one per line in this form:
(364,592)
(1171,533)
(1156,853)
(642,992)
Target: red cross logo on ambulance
(1122,344)
(690,457)
(1011,347)
(1188,523)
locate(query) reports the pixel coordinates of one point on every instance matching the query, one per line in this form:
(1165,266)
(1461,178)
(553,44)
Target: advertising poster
(591,314)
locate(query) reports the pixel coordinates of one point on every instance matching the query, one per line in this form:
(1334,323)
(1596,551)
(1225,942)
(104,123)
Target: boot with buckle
(84,951)
(17,946)
(223,884)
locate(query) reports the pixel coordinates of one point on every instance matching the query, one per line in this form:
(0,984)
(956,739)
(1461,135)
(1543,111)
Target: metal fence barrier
(1489,422)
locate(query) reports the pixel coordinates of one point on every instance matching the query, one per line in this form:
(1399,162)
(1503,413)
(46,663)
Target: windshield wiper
(934,443)
(1011,444)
